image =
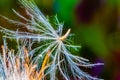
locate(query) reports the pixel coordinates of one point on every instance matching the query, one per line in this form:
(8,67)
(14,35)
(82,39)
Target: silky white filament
(62,60)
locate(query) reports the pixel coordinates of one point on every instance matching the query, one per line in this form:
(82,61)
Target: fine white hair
(59,44)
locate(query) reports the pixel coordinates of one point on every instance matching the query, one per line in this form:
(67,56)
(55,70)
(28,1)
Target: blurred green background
(95,23)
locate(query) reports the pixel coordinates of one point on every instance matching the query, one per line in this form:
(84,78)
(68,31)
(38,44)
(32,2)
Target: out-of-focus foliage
(65,9)
(93,37)
(5,3)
